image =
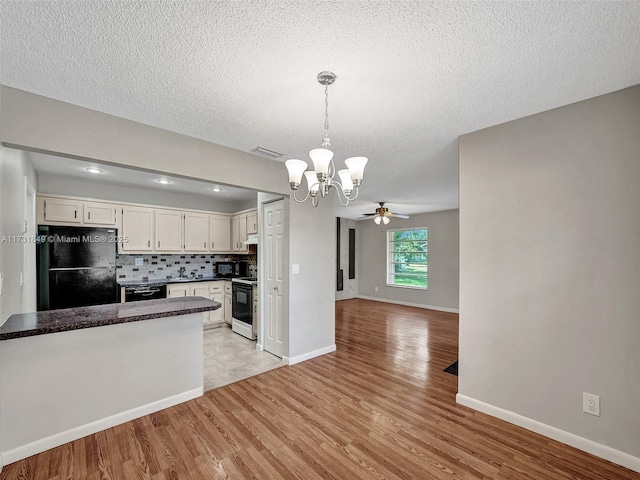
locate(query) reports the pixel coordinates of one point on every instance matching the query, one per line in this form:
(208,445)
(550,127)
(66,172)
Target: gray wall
(15,165)
(443,261)
(312,240)
(350,285)
(550,256)
(82,188)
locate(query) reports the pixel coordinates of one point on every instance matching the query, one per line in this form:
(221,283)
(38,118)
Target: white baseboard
(308,355)
(61,438)
(581,443)
(410,304)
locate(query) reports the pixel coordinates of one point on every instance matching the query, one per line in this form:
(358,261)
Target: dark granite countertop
(167,281)
(52,321)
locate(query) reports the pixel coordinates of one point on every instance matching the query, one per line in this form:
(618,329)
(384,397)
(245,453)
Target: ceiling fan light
(296,168)
(312,182)
(321,158)
(385,220)
(345,180)
(356,168)
(377,220)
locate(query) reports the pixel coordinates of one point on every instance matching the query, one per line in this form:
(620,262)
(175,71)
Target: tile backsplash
(161,267)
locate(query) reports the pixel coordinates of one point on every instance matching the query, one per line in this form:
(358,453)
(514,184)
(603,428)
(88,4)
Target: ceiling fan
(383,215)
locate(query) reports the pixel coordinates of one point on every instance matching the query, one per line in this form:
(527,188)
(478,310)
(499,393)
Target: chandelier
(322,177)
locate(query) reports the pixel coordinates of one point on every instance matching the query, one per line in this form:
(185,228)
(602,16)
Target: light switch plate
(295,269)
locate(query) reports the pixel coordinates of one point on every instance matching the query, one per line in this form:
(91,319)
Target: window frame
(390,259)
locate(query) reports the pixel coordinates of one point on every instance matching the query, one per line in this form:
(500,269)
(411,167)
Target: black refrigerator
(76,267)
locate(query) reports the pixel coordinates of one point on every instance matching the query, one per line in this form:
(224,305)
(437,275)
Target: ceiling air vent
(266,152)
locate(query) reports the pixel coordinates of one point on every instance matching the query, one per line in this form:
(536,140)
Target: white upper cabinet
(137,229)
(62,210)
(252,222)
(168,231)
(196,232)
(100,214)
(219,233)
(239,233)
(147,229)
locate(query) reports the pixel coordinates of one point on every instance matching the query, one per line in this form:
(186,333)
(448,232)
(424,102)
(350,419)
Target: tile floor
(229,357)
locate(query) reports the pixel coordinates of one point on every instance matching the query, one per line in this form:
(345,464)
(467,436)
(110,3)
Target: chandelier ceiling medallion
(322,177)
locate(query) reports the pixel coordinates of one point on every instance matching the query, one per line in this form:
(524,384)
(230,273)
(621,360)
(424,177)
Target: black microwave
(231,269)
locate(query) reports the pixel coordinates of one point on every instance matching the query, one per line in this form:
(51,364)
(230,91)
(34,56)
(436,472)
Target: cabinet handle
(148,243)
(88,215)
(75,214)
(205,245)
(158,243)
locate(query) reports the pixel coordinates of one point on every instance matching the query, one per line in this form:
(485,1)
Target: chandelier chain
(326,143)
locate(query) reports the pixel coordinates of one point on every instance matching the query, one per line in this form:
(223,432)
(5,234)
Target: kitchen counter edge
(169,281)
(22,325)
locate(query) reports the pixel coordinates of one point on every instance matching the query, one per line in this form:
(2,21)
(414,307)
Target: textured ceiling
(412,76)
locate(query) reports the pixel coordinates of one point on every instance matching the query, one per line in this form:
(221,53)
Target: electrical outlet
(139,262)
(295,269)
(1,283)
(591,404)
(21,279)
(375,288)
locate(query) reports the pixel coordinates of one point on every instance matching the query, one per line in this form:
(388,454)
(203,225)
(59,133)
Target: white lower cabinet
(228,307)
(211,290)
(255,311)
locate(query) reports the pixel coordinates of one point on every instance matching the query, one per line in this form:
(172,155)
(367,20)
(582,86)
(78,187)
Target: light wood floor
(379,407)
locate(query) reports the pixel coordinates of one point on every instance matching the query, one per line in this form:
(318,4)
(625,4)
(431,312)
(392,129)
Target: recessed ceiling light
(215,189)
(164,181)
(94,170)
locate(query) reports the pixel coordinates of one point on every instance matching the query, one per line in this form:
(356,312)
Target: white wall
(549,278)
(350,285)
(15,165)
(85,188)
(443,261)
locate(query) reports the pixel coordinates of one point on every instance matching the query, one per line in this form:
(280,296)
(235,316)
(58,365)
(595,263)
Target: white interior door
(273,215)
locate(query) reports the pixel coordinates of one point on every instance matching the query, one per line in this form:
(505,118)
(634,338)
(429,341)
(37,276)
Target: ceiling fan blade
(369,214)
(397,215)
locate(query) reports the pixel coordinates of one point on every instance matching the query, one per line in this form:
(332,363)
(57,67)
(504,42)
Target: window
(407,258)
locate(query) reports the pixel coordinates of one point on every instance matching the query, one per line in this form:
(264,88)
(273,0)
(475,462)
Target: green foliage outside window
(407,258)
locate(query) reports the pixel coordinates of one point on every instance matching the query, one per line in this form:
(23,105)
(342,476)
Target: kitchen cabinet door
(137,229)
(177,291)
(235,233)
(252,222)
(227,308)
(239,232)
(217,316)
(243,233)
(219,233)
(99,214)
(196,232)
(62,210)
(202,290)
(168,231)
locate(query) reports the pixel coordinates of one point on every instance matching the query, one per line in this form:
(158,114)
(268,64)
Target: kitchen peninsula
(68,373)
